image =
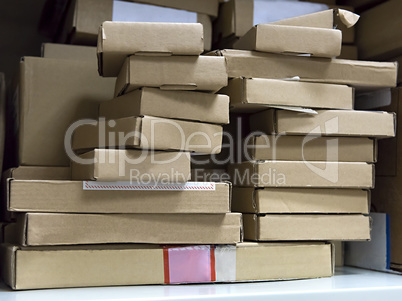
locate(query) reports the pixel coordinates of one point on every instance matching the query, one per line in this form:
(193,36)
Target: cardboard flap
(348,18)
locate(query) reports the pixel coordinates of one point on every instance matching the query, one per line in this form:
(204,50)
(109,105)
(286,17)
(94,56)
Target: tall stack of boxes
(307,165)
(90,231)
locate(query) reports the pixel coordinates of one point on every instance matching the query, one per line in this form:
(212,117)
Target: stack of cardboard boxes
(308,161)
(72,233)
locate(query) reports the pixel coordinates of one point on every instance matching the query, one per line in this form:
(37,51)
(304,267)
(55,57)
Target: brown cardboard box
(348,52)
(303,174)
(360,74)
(132,165)
(84,17)
(35,229)
(378,32)
(117,40)
(326,123)
(288,227)
(53,94)
(204,73)
(300,200)
(187,105)
(320,42)
(73,52)
(387,195)
(299,148)
(46,267)
(58,196)
(149,133)
(255,94)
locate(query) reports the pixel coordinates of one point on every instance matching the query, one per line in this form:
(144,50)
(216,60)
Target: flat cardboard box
(187,105)
(359,74)
(45,267)
(151,133)
(313,174)
(349,52)
(132,165)
(326,123)
(378,32)
(53,94)
(300,200)
(62,196)
(299,148)
(66,52)
(117,40)
(319,42)
(84,17)
(290,227)
(36,229)
(203,73)
(249,95)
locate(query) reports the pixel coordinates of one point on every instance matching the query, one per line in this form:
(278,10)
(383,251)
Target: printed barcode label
(188,186)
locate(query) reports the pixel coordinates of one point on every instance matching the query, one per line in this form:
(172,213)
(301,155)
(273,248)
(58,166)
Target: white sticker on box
(126,185)
(267,11)
(225,263)
(124,11)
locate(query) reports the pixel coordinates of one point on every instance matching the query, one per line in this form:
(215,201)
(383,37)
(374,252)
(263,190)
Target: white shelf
(347,284)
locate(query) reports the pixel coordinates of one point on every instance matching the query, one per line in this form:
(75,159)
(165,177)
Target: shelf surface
(347,284)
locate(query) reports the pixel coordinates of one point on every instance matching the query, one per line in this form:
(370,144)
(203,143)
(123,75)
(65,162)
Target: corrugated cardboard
(299,148)
(117,40)
(187,105)
(378,32)
(302,200)
(133,165)
(70,197)
(320,42)
(302,174)
(150,133)
(348,52)
(255,94)
(45,267)
(360,74)
(326,123)
(53,94)
(204,73)
(288,227)
(85,16)
(72,229)
(73,52)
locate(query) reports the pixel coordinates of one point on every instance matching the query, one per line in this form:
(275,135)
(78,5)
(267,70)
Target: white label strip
(225,263)
(188,186)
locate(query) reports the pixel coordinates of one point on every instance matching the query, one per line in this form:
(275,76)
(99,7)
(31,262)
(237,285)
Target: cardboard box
(84,17)
(149,133)
(378,34)
(35,229)
(73,52)
(349,52)
(45,267)
(117,40)
(359,74)
(320,42)
(58,196)
(255,94)
(308,148)
(53,94)
(132,165)
(303,174)
(204,73)
(326,123)
(288,227)
(187,105)
(300,200)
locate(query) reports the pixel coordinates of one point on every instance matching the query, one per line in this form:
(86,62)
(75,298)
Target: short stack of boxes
(130,216)
(308,165)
